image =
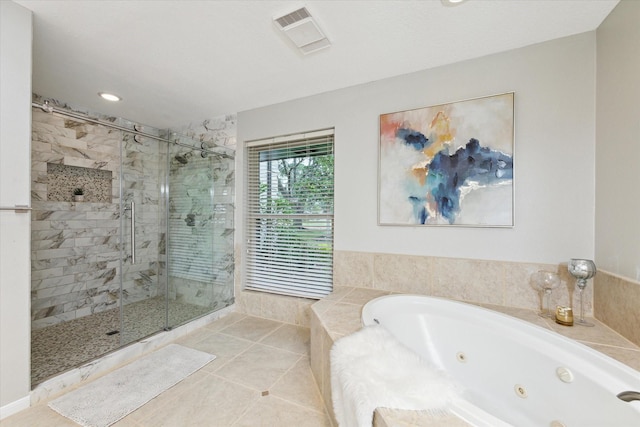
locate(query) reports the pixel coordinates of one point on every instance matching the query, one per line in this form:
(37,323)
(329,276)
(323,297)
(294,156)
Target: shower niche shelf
(63,179)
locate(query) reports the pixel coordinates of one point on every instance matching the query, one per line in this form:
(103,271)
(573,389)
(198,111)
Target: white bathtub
(513,372)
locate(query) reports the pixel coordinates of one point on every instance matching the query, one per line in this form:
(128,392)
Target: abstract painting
(449,164)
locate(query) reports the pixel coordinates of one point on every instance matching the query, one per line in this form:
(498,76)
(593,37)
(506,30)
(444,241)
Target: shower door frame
(164,193)
(136,132)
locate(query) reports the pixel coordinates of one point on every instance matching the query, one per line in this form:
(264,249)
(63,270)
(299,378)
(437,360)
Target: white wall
(554,85)
(15,188)
(618,142)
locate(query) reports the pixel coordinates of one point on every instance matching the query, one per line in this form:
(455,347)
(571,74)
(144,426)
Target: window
(289,215)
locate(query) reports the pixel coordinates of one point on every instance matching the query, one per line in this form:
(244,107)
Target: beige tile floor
(260,377)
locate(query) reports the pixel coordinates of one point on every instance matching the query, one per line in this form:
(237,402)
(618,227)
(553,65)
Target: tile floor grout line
(276,396)
(288,370)
(271,320)
(303,356)
(207,326)
(300,357)
(281,324)
(246,411)
(298,404)
(219,333)
(172,398)
(279,348)
(176,398)
(272,332)
(233,358)
(317,388)
(249,407)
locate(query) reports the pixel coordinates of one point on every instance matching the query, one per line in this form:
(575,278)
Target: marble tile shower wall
(143,172)
(216,133)
(75,246)
(201,223)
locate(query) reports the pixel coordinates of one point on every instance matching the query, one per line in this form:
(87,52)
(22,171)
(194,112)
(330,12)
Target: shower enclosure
(149,248)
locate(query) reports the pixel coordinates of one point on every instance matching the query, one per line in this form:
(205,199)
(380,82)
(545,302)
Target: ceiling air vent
(303,31)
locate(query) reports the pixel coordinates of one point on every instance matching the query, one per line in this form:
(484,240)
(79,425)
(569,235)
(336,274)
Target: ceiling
(177,62)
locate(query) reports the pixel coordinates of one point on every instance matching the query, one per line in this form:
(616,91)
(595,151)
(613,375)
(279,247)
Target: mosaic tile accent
(63,179)
(60,347)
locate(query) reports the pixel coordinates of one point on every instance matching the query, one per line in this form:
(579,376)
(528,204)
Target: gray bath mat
(114,396)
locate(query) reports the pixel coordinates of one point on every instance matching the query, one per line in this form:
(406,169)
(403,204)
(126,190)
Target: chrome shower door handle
(133,231)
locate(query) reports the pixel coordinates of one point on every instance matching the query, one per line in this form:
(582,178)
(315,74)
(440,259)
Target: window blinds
(196,220)
(289,215)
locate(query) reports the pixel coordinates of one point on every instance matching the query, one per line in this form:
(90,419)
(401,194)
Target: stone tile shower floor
(58,348)
(261,377)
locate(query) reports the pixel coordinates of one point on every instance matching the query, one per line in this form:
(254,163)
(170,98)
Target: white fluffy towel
(372,369)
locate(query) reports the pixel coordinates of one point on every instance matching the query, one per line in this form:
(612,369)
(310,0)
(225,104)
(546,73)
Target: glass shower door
(177,233)
(191,239)
(143,290)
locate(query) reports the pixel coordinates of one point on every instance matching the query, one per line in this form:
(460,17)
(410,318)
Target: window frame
(300,271)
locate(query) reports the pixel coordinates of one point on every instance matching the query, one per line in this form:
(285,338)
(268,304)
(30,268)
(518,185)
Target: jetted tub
(513,372)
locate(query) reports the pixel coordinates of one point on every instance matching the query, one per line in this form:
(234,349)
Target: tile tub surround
(477,281)
(473,280)
(261,376)
(385,417)
(339,315)
(293,310)
(617,304)
(616,299)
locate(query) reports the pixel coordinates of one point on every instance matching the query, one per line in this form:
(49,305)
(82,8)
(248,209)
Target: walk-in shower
(149,248)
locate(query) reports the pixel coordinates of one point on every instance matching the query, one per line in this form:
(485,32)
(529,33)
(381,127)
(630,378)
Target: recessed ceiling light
(109,96)
(452,2)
